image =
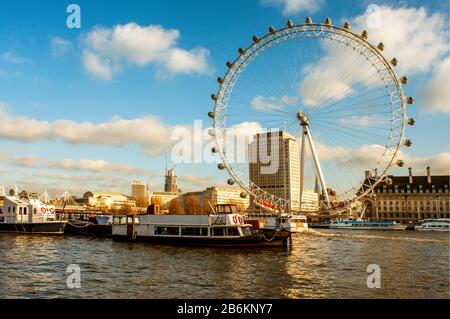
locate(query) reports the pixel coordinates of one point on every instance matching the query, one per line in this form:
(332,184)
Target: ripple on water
(321,263)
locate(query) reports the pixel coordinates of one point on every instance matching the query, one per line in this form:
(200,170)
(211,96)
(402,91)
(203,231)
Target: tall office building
(285,180)
(139,191)
(170,184)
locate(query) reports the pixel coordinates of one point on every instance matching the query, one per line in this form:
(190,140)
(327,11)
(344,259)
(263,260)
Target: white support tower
(45,198)
(306,135)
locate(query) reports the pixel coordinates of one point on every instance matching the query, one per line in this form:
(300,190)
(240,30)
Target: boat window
(9,209)
(35,210)
(218,231)
(232,231)
(20,210)
(194,231)
(167,231)
(25,211)
(246,231)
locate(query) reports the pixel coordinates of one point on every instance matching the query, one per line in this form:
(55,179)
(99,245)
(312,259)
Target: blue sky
(46,76)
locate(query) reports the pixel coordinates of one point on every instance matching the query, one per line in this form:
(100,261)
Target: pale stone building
(407,199)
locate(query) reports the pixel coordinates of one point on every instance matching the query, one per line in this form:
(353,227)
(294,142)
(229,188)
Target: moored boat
(214,230)
(435,225)
(366,225)
(290,222)
(29,215)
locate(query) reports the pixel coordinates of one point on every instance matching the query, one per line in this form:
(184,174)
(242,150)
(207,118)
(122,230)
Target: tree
(175,207)
(141,206)
(193,206)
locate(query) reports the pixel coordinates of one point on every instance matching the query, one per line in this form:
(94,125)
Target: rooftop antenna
(166,165)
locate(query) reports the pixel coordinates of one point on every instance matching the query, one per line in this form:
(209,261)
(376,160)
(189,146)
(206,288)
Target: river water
(320,264)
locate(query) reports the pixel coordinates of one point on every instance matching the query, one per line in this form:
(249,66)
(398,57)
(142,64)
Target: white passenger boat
(366,225)
(290,222)
(215,230)
(29,215)
(437,225)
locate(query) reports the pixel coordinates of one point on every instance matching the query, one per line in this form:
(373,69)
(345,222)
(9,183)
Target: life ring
(43,210)
(235,219)
(52,210)
(241,220)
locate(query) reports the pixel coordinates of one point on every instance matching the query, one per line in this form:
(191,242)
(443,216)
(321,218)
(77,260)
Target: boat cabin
(220,225)
(25,210)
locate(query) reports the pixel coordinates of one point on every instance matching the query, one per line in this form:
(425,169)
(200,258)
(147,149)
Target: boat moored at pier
(290,222)
(214,230)
(366,225)
(27,214)
(436,225)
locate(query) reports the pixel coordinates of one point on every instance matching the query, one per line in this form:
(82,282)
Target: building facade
(200,202)
(408,199)
(170,185)
(284,182)
(139,191)
(109,201)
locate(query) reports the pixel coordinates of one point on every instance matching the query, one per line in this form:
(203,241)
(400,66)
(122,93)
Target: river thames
(320,264)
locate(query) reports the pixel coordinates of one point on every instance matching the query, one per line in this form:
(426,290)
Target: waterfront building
(199,202)
(139,191)
(285,181)
(310,201)
(109,201)
(170,184)
(167,200)
(224,195)
(407,199)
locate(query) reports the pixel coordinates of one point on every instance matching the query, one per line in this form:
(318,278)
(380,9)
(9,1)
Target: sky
(93,108)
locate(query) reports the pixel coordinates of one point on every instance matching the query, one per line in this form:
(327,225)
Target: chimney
(410,175)
(428,174)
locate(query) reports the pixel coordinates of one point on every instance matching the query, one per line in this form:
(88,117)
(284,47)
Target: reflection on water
(320,264)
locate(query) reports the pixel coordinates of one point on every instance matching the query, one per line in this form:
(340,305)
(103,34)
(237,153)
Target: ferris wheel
(320,101)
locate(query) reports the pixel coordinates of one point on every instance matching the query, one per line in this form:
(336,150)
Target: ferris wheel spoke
(362,79)
(325,79)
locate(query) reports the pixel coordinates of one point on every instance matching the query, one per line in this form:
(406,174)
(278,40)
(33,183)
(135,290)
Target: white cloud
(97,66)
(414,36)
(439,163)
(106,49)
(12,127)
(94,166)
(195,180)
(12,57)
(291,7)
(149,132)
(60,46)
(262,103)
(436,94)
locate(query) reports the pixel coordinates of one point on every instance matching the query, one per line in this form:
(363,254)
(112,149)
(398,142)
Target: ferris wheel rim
(278,37)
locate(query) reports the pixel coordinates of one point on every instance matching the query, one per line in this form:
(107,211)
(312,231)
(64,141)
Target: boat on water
(435,225)
(366,225)
(27,214)
(290,222)
(88,223)
(222,229)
